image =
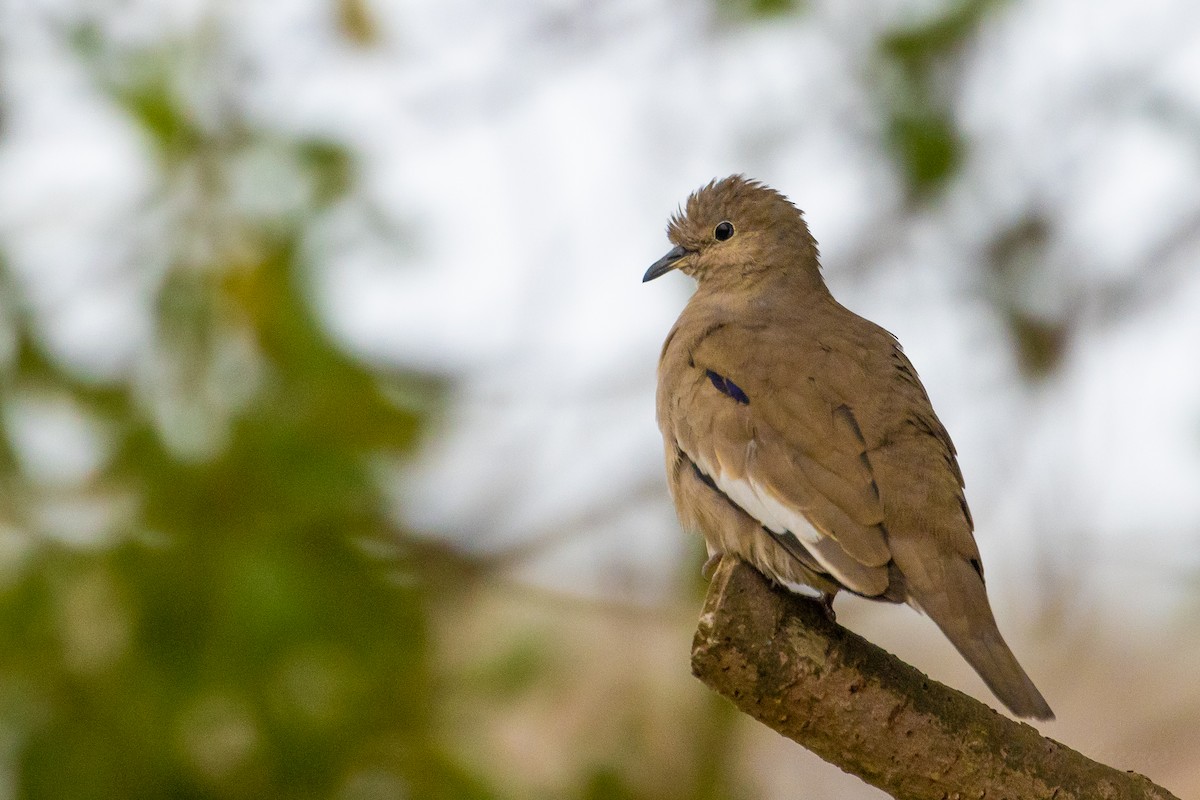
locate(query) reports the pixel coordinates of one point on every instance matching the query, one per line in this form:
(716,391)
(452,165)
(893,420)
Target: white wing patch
(805,590)
(771,512)
(760,503)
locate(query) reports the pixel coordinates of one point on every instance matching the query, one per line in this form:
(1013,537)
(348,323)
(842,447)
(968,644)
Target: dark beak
(664,264)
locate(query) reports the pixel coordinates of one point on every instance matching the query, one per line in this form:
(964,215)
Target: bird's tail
(994,661)
(964,615)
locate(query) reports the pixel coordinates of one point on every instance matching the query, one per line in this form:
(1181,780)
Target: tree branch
(782,661)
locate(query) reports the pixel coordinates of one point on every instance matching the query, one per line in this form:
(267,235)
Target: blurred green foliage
(223,603)
(1016,258)
(252,622)
(759,8)
(356,22)
(925,140)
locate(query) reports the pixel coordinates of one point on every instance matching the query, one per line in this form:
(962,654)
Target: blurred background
(329,466)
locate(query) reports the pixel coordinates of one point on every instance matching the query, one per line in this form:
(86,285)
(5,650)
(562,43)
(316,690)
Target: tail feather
(960,608)
(991,657)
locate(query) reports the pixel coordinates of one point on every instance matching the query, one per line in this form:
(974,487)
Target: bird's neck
(742,293)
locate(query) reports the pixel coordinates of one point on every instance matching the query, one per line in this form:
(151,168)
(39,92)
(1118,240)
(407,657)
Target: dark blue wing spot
(727,387)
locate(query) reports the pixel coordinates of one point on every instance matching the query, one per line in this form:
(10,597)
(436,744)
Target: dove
(799,438)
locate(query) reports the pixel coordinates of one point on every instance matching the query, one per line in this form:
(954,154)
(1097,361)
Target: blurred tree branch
(783,662)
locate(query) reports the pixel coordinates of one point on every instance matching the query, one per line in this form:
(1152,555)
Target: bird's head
(736,230)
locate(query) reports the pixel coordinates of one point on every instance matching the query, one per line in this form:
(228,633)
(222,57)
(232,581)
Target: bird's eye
(723,231)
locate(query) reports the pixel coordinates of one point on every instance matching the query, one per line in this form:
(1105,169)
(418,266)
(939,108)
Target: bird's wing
(759,414)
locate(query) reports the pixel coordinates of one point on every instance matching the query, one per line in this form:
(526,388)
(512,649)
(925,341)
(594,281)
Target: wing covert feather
(793,446)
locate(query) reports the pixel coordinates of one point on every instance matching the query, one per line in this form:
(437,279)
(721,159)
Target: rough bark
(781,660)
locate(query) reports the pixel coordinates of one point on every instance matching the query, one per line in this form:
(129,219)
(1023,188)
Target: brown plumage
(799,438)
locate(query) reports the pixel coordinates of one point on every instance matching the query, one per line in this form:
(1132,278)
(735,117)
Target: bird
(799,438)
